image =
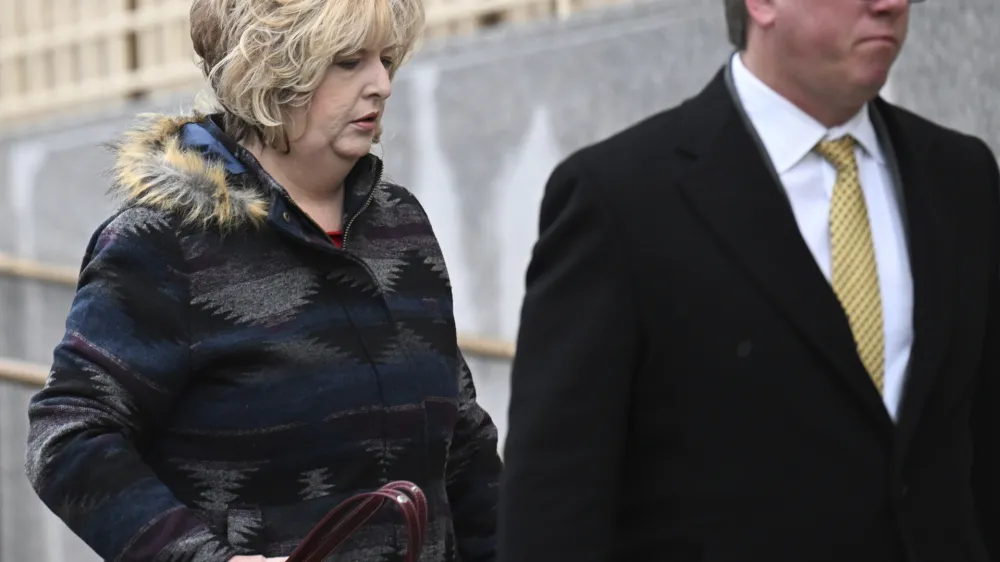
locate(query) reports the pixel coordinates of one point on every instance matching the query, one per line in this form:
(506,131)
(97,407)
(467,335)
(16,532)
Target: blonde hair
(266,57)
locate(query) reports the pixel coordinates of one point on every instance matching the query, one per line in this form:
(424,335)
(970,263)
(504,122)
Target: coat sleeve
(577,351)
(115,375)
(986,409)
(473,476)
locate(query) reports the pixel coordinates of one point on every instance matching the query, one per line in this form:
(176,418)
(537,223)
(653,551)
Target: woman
(265,328)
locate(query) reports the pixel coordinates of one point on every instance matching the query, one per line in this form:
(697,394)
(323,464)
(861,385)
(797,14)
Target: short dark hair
(737,22)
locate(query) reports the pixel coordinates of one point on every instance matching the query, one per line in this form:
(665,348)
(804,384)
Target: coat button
(743,349)
(285,216)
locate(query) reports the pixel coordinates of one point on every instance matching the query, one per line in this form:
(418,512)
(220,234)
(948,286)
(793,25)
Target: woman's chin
(353,149)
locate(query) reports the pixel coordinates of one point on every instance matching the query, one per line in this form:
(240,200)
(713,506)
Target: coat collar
(190,167)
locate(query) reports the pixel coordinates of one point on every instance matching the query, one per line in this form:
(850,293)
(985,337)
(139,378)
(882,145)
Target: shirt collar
(787,132)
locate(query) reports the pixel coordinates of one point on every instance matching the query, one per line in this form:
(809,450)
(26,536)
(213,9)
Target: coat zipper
(368,202)
(350,222)
(371,274)
(347,229)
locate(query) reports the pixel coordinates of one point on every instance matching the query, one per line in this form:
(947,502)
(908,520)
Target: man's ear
(762,12)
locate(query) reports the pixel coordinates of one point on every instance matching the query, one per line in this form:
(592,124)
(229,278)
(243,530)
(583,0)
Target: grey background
(474,127)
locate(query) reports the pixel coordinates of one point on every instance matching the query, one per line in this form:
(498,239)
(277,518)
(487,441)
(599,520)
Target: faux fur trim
(153,169)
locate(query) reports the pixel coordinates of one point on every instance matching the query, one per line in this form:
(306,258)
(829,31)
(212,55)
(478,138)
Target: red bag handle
(338,525)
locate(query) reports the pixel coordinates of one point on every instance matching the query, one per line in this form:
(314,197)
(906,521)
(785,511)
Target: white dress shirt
(789,136)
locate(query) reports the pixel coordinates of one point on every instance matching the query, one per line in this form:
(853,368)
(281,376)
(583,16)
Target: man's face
(843,46)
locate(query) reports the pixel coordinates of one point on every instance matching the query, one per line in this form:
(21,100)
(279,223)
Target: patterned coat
(228,375)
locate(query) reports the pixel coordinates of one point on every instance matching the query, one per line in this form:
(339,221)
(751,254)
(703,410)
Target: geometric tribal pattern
(228,376)
(854,272)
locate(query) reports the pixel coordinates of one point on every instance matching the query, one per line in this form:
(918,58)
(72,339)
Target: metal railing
(33,374)
(22,372)
(62,55)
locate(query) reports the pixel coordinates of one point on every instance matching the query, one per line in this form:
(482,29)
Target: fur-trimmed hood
(188,167)
(173,164)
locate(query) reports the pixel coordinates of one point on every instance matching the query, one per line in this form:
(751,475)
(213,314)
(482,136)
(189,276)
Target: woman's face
(347,107)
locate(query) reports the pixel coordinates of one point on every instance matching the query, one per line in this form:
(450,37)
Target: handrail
(33,374)
(22,372)
(11,266)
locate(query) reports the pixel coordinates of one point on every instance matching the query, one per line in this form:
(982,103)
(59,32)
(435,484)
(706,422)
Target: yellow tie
(855,275)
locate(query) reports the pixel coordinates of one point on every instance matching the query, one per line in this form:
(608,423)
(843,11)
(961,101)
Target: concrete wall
(950,69)
(474,127)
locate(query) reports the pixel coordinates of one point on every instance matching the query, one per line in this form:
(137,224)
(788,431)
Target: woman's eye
(387,62)
(348,64)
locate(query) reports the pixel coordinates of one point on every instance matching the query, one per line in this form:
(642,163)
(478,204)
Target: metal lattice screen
(61,55)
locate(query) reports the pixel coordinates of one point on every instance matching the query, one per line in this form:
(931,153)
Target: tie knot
(839,152)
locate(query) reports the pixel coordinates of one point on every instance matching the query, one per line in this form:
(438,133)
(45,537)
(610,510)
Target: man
(765,325)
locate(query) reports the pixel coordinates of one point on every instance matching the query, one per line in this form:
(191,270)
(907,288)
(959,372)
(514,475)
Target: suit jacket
(687,387)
